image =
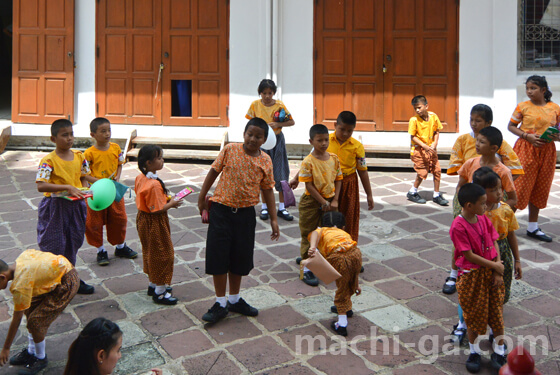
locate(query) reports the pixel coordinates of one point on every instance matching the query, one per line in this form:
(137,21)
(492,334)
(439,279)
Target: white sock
(160,289)
(31,344)
(121,245)
(491,332)
(233,298)
(453,274)
(100,249)
(436,194)
(40,350)
(152,285)
(342,320)
(222,301)
(462,325)
(264,207)
(533,226)
(413,190)
(498,349)
(281,206)
(474,348)
(305,269)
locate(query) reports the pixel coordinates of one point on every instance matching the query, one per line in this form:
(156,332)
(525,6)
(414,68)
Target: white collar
(151,175)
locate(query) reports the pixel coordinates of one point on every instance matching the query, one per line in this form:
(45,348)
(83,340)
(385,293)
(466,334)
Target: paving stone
(401,289)
(543,305)
(185,343)
(187,254)
(235,327)
(433,307)
(117,267)
(547,337)
(541,279)
(216,363)
(455,364)
(536,256)
(139,303)
(281,317)
(431,279)
(192,291)
(260,353)
(407,265)
(261,298)
(163,322)
(288,370)
(139,357)
(520,290)
(416,225)
(126,284)
(391,215)
(379,229)
(375,272)
(418,370)
(395,318)
(428,341)
(306,340)
(295,289)
(109,309)
(384,351)
(57,346)
(314,308)
(381,252)
(514,317)
(438,256)
(286,251)
(132,333)
(331,363)
(65,322)
(414,244)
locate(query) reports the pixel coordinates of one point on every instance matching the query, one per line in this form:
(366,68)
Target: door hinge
(315,109)
(227,111)
(316,54)
(96,108)
(227,53)
(97,51)
(69,119)
(456,118)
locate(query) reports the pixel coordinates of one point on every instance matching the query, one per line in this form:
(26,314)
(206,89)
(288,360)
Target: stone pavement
(401,321)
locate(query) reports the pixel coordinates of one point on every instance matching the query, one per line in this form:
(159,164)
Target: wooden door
(194,50)
(420,55)
(43,61)
(128,56)
(373,56)
(348,52)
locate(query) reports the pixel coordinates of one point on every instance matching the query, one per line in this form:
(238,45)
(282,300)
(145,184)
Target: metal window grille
(539,35)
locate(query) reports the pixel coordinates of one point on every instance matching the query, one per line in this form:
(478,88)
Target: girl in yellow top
(537,156)
(338,248)
(275,113)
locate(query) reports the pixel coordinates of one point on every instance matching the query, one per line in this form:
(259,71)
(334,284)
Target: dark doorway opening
(6,17)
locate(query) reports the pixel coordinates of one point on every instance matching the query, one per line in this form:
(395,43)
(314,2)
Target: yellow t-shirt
(104,164)
(534,118)
(323,173)
(37,272)
(351,154)
(54,170)
(333,239)
(258,109)
(503,219)
(424,130)
(465,149)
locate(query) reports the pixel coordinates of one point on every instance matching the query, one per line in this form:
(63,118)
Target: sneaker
(284,214)
(215,314)
(34,366)
(264,215)
(349,313)
(441,200)
(310,279)
(458,335)
(338,329)
(298,260)
(242,308)
(85,288)
(21,358)
(473,363)
(152,290)
(102,258)
(449,288)
(161,299)
(416,198)
(541,237)
(125,252)
(497,360)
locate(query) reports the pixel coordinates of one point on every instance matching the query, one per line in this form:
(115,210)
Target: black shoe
(264,215)
(349,313)
(449,289)
(34,366)
(22,358)
(362,269)
(339,330)
(310,279)
(152,290)
(242,308)
(498,360)
(215,314)
(473,363)
(541,237)
(298,260)
(161,299)
(458,334)
(416,198)
(441,200)
(284,214)
(85,288)
(125,252)
(102,258)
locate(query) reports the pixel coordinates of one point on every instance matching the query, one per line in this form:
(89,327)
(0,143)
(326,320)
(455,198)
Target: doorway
(6,17)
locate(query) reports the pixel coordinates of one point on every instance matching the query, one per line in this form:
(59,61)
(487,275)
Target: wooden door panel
(43,66)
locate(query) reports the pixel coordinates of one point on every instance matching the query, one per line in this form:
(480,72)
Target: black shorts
(230,241)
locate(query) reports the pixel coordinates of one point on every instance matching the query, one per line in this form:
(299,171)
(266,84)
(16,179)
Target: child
(480,285)
(152,223)
(503,219)
(230,243)
(320,170)
(265,108)
(105,160)
(352,159)
(43,284)
(61,224)
(488,142)
(537,156)
(424,135)
(338,248)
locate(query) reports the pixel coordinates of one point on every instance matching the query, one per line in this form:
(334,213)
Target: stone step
(181,154)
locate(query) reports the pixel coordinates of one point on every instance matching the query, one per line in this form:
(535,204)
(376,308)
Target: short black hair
(346,118)
(483,111)
(333,218)
(419,99)
(267,84)
(3,266)
(470,193)
(96,122)
(486,177)
(317,129)
(59,124)
(494,135)
(259,123)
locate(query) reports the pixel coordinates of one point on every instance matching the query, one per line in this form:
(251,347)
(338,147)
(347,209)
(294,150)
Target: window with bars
(539,35)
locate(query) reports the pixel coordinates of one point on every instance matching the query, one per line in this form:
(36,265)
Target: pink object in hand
(205,213)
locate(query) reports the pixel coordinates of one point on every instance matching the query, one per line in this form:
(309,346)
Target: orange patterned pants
(113,217)
(348,264)
(349,204)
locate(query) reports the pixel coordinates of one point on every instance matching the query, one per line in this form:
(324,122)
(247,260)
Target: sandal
(458,335)
(264,214)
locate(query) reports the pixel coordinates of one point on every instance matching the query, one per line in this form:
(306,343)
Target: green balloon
(103,192)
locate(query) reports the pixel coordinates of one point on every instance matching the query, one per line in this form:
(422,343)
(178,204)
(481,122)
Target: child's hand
(333,206)
(311,252)
(75,192)
(275,231)
(157,371)
(294,182)
(275,125)
(498,280)
(202,205)
(499,268)
(535,140)
(174,203)
(370,203)
(358,291)
(518,271)
(4,356)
